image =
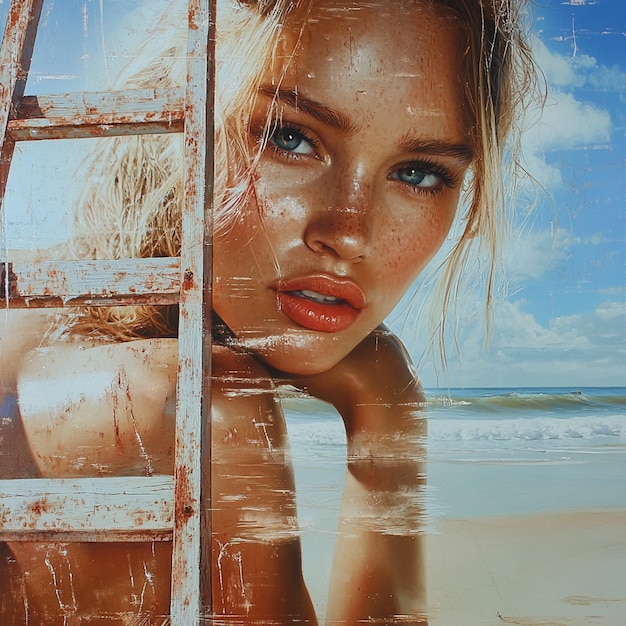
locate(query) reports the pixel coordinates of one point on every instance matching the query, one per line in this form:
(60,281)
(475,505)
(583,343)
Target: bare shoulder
(67,376)
(20,332)
(106,408)
(153,354)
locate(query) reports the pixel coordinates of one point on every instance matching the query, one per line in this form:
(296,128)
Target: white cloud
(566,122)
(596,239)
(605,78)
(583,349)
(548,176)
(577,71)
(559,70)
(604,327)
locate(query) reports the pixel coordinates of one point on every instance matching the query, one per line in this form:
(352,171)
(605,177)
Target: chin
(299,353)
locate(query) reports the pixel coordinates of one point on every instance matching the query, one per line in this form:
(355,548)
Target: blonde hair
(132,206)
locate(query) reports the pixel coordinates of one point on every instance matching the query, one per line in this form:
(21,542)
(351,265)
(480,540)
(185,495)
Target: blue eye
(290,139)
(426,176)
(417,177)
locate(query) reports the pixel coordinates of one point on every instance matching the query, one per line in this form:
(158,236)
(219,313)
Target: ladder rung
(79,115)
(154,281)
(120,505)
(119,536)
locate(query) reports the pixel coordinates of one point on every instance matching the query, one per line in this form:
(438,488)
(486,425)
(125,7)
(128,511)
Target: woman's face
(356,188)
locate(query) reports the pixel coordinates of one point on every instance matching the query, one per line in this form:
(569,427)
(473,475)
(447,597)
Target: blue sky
(563,321)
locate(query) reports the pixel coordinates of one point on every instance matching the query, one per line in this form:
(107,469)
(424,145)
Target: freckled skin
(340,211)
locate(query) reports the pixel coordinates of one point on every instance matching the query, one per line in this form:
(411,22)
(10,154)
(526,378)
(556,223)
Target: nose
(341,222)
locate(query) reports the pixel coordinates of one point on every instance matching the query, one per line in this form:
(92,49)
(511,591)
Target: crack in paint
(122,381)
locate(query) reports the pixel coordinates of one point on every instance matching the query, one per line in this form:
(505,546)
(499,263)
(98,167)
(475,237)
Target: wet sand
(563,569)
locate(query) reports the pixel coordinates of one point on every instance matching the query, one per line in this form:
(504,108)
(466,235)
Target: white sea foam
(531,429)
(322,432)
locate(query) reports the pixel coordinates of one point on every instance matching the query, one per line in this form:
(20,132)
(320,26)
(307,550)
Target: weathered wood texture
(78,115)
(191,559)
(110,509)
(101,508)
(89,283)
(15,57)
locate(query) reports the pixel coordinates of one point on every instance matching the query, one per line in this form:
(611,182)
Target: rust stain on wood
(96,115)
(39,507)
(90,283)
(188,281)
(63,116)
(184,502)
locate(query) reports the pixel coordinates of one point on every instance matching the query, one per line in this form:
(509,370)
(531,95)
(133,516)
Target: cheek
(275,209)
(409,244)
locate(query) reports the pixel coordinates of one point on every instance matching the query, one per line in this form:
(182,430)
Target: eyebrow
(459,151)
(335,119)
(321,112)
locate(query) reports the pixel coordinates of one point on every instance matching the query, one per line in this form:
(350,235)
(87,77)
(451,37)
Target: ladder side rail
(191,586)
(16,53)
(207,128)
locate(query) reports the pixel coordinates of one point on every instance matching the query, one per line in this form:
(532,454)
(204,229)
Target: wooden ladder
(152,508)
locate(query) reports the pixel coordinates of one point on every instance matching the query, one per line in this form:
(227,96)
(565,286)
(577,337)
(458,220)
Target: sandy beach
(562,569)
(525,508)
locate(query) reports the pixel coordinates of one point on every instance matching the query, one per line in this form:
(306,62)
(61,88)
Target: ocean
(491,452)
(527,450)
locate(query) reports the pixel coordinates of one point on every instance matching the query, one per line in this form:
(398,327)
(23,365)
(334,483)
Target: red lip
(345,302)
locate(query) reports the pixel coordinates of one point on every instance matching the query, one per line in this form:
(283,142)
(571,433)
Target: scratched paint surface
(497,553)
